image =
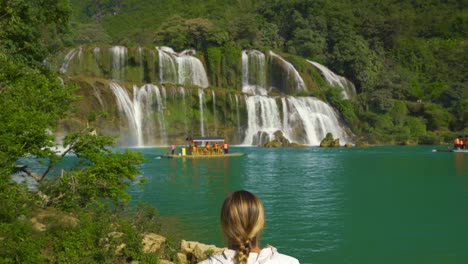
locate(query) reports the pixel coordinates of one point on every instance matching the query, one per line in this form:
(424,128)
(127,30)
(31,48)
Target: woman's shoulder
(268,255)
(271,255)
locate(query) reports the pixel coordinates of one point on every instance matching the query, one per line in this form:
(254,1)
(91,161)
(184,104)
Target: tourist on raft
(242,221)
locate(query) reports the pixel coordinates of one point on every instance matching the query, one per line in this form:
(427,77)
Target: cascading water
(316,117)
(290,74)
(201,103)
(237,114)
(126,109)
(70,55)
(334,79)
(148,102)
(167,65)
(263,117)
(119,55)
(184,105)
(253,72)
(182,68)
(305,120)
(214,112)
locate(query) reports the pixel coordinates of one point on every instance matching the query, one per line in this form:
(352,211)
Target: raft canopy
(205,139)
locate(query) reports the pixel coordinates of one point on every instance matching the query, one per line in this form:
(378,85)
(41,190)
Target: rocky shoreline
(190,251)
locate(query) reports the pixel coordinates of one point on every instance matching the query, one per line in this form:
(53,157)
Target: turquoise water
(359,205)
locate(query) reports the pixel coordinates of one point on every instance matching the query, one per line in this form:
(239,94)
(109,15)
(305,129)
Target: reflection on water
(461,163)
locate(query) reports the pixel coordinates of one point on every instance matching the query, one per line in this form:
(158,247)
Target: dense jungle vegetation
(408,60)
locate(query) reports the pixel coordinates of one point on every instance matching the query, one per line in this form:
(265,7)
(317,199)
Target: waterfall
(214,112)
(253,72)
(96,52)
(148,103)
(98,96)
(202,125)
(167,65)
(316,117)
(305,120)
(126,109)
(70,55)
(182,68)
(263,117)
(97,55)
(237,114)
(291,74)
(334,79)
(184,104)
(119,55)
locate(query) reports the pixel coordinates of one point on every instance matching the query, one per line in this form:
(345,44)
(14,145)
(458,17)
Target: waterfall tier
(150,115)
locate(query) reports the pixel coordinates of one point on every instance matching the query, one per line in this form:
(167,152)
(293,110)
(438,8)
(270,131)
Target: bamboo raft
(204,148)
(202,156)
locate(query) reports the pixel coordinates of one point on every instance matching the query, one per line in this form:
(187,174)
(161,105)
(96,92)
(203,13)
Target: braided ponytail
(242,219)
(243,252)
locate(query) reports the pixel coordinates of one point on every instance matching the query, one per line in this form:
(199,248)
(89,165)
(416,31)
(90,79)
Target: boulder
(181,258)
(153,243)
(196,251)
(281,141)
(330,142)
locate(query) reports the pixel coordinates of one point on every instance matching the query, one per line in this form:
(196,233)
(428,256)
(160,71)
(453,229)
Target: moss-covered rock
(330,142)
(281,141)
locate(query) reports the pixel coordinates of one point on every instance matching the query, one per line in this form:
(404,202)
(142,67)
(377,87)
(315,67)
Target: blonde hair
(242,220)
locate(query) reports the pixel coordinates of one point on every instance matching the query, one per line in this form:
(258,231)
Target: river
(389,204)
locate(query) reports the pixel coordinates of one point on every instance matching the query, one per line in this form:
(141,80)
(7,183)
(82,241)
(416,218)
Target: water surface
(359,205)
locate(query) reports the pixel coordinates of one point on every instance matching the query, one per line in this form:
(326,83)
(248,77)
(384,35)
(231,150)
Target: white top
(268,255)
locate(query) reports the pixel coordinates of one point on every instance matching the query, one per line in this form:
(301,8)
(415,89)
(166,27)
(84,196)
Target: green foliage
(438,117)
(399,112)
(381,101)
(30,30)
(20,242)
(417,126)
(214,57)
(335,97)
(32,102)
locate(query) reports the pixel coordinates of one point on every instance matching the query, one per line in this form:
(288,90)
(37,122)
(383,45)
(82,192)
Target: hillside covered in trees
(407,58)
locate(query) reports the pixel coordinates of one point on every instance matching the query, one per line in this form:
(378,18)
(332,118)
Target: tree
(30,30)
(99,173)
(32,103)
